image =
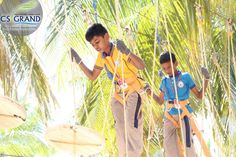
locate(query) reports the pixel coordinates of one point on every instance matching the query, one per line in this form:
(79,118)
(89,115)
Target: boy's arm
(199,93)
(91,74)
(159,99)
(136,61)
(133,59)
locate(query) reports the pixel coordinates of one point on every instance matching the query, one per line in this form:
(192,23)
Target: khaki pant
(134,127)
(171,145)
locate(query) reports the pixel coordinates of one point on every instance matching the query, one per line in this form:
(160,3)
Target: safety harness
(128,85)
(188,120)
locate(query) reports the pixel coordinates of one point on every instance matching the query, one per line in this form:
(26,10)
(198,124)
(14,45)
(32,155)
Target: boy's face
(100,43)
(168,69)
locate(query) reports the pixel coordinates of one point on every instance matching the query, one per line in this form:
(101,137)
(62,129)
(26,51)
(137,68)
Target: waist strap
(180,104)
(133,85)
(186,115)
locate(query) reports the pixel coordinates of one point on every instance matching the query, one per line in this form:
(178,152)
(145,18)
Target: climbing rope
(200,20)
(175,88)
(230,43)
(157,41)
(105,105)
(105,108)
(150,127)
(117,5)
(74,102)
(131,39)
(203,60)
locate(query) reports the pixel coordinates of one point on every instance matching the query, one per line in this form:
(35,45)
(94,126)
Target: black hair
(165,57)
(96,29)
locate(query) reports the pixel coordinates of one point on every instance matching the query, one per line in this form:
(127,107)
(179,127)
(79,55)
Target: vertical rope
(113,83)
(229,30)
(105,106)
(73,86)
(153,77)
(233,58)
(230,46)
(110,100)
(130,37)
(106,113)
(29,78)
(86,109)
(175,86)
(200,21)
(158,40)
(117,5)
(74,102)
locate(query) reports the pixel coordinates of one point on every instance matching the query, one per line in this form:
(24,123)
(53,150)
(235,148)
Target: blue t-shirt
(184,84)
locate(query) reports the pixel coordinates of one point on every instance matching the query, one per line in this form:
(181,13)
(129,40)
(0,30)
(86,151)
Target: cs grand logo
(20,17)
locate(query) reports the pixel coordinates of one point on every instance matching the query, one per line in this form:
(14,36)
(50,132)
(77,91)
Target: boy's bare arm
(199,93)
(133,59)
(136,61)
(159,99)
(91,74)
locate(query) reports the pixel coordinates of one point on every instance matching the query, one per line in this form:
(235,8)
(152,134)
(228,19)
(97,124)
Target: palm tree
(26,140)
(23,79)
(19,65)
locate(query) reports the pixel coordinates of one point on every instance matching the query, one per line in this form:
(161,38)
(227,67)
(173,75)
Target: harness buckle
(177,106)
(122,84)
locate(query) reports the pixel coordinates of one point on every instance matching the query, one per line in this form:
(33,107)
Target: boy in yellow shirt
(122,65)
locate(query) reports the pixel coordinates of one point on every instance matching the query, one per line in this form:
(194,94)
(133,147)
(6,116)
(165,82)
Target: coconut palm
(26,140)
(24,80)
(19,64)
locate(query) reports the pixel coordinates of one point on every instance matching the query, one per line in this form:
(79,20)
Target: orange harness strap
(185,112)
(134,83)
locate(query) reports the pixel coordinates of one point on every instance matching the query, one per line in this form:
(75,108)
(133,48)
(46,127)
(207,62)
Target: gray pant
(171,145)
(134,125)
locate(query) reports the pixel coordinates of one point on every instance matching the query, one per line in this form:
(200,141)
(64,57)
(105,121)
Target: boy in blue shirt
(184,84)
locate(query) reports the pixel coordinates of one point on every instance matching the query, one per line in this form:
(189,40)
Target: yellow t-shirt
(130,72)
(116,58)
